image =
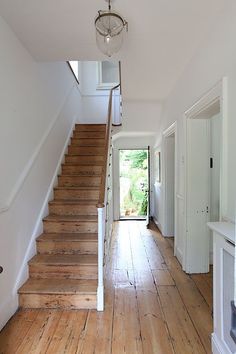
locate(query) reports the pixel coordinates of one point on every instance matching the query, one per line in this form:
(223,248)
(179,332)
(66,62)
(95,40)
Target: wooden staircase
(63,274)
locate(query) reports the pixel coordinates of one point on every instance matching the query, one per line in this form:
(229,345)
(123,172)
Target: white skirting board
(157,223)
(216,346)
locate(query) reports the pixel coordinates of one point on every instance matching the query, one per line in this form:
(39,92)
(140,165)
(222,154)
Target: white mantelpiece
(223,285)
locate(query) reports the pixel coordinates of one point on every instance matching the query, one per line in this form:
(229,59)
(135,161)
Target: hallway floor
(151,307)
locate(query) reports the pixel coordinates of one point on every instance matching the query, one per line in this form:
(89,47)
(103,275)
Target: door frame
(147,148)
(218,94)
(172,129)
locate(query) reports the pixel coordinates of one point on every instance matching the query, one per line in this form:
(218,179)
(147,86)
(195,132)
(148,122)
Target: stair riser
(88,135)
(70,226)
(60,209)
(64,247)
(65,302)
(87,142)
(79,181)
(90,127)
(85,150)
(76,194)
(46,271)
(82,170)
(85,160)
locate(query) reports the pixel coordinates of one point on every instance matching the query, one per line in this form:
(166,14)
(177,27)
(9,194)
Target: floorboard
(152,306)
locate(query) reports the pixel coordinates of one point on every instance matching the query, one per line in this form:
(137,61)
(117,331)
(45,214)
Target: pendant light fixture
(109,30)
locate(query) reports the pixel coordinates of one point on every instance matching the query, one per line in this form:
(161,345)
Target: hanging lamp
(109,30)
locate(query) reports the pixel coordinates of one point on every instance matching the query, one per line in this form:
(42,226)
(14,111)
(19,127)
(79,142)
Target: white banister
(101,236)
(104,205)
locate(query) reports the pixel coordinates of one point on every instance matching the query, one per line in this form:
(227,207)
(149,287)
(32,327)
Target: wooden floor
(151,307)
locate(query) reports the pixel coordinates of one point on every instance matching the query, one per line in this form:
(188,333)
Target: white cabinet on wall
(223,286)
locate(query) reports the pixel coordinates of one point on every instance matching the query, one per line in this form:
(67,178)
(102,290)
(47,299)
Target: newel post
(101,235)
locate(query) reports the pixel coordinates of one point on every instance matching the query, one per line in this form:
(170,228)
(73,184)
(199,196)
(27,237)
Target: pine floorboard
(152,306)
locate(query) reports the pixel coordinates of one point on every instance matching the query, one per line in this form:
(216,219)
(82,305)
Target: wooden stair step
(85,150)
(72,207)
(66,245)
(63,266)
(75,218)
(59,286)
(74,180)
(69,223)
(64,259)
(82,170)
(90,127)
(84,160)
(70,237)
(88,134)
(88,142)
(59,293)
(77,193)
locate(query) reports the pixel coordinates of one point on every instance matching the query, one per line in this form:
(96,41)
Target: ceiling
(163,36)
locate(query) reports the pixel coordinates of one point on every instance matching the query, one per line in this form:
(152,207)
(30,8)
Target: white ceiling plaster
(163,36)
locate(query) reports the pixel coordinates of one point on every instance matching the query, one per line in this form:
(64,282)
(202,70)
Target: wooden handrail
(101,200)
(72,71)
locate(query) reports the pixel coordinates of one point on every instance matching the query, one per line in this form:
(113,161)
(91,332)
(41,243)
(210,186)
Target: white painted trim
(104,85)
(179,254)
(216,346)
(16,188)
(31,250)
(179,196)
(172,129)
(217,93)
(12,305)
(207,100)
(157,224)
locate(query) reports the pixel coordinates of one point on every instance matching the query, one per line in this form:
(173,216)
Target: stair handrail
(101,205)
(102,190)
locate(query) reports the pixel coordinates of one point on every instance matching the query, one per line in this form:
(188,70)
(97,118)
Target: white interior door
(197,197)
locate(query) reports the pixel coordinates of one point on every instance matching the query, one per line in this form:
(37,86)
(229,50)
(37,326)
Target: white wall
(141,116)
(94,102)
(215,59)
(39,105)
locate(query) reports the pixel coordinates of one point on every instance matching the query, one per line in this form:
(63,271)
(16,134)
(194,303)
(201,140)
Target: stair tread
(82,163)
(85,154)
(71,237)
(73,202)
(78,187)
(81,173)
(75,175)
(78,218)
(59,286)
(84,140)
(88,145)
(65,259)
(78,164)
